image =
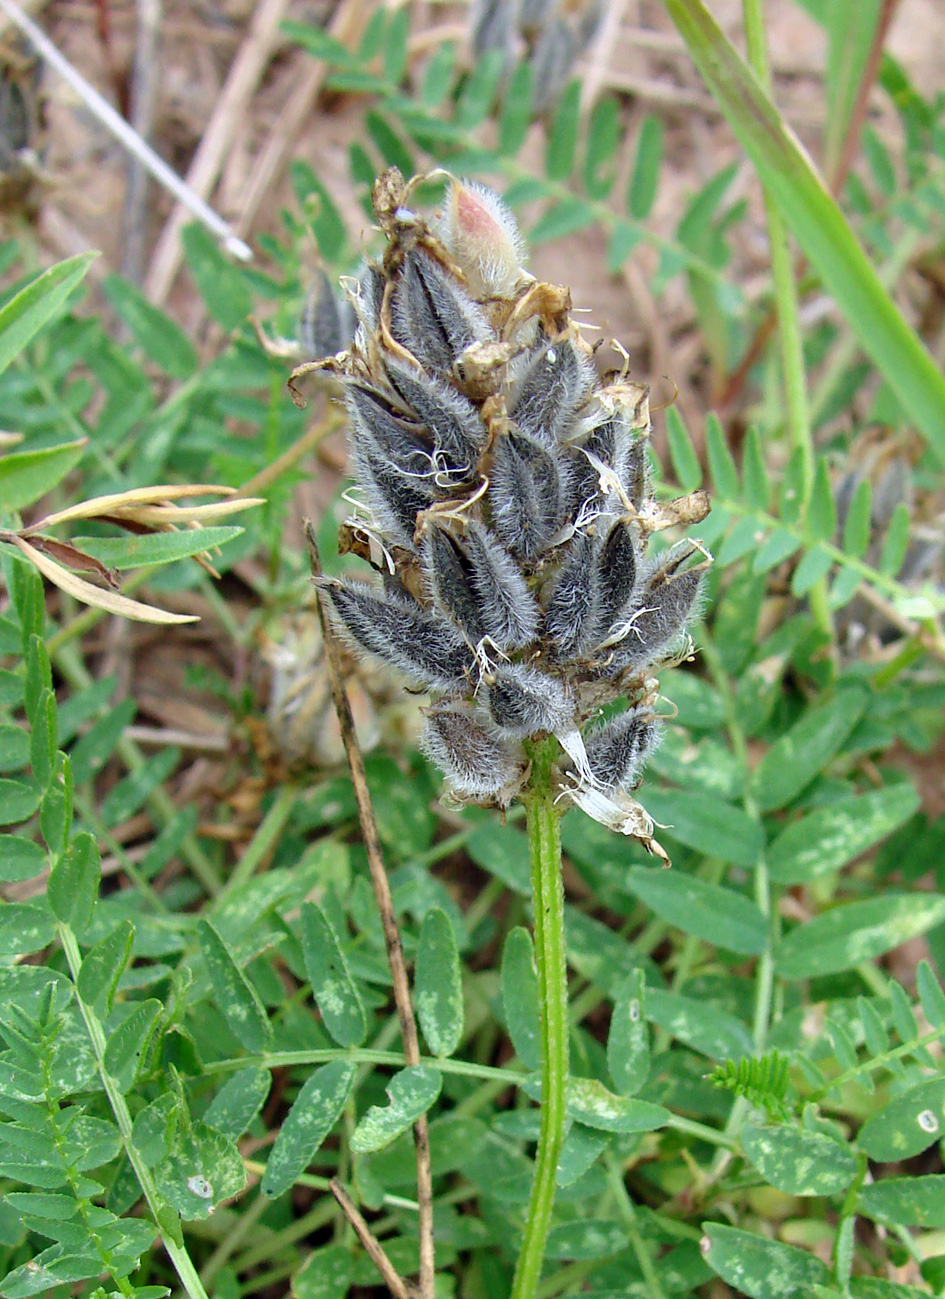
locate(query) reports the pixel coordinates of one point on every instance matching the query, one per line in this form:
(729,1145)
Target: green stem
(177,1253)
(789,323)
(544,842)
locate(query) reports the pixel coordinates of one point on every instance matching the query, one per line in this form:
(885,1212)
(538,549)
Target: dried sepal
(478,762)
(617,811)
(396,630)
(526,701)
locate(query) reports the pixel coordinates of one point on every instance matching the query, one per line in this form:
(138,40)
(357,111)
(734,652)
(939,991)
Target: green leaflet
(312,1116)
(628,1042)
(520,996)
(762,1268)
(795,759)
(798,1162)
(908,1201)
(855,932)
(826,839)
(335,992)
(235,995)
(715,914)
(203,1169)
(411,1091)
(906,1125)
(438,984)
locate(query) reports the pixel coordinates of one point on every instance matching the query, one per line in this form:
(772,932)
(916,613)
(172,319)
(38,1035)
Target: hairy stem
(544,842)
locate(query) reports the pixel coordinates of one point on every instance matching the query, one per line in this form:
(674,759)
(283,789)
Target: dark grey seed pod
(665,607)
(634,471)
(447,570)
(491,26)
(555,384)
(327,322)
(572,617)
(395,438)
(552,61)
(431,316)
(617,750)
(479,762)
(396,630)
(618,576)
(454,422)
(525,701)
(509,611)
(524,495)
(395,498)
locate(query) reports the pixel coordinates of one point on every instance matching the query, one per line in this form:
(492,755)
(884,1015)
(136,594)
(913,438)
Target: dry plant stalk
(395,951)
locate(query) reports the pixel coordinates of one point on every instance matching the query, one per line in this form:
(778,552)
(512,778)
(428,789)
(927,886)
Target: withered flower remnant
(503,496)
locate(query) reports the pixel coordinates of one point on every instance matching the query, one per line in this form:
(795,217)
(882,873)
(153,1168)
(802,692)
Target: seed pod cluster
(503,496)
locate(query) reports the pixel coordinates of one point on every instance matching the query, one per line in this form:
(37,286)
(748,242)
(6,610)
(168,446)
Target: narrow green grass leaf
(235,995)
(313,1114)
(37,303)
(855,932)
(26,476)
(438,984)
(816,222)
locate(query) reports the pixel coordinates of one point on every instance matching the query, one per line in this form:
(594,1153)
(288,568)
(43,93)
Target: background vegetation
(195,1004)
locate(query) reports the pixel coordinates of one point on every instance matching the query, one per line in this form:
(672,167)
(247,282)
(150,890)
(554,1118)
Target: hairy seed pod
(617,750)
(618,575)
(526,701)
(327,323)
(396,439)
(454,423)
(447,570)
(510,613)
(572,615)
(432,316)
(477,761)
(551,390)
(524,495)
(665,608)
(393,497)
(396,630)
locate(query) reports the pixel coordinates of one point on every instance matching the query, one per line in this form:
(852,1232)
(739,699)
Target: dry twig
(372,1245)
(395,952)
